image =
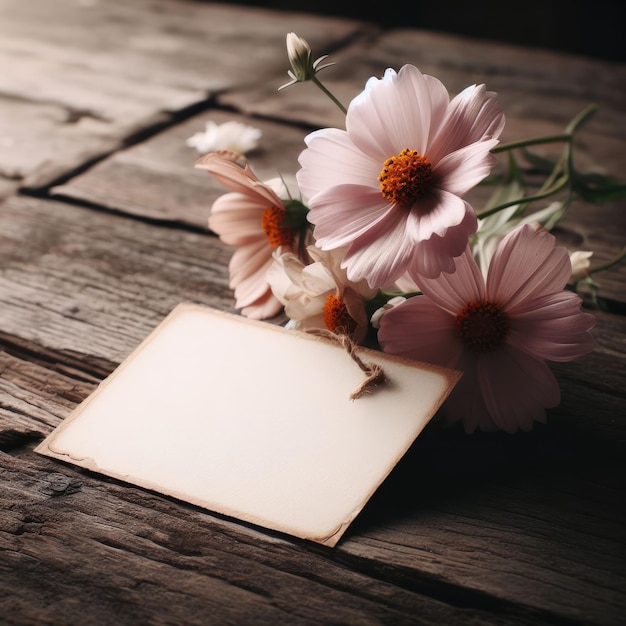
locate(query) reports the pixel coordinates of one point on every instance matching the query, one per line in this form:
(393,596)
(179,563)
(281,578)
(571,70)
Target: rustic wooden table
(103,232)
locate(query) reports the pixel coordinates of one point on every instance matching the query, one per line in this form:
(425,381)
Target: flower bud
(299,53)
(580,264)
(302,68)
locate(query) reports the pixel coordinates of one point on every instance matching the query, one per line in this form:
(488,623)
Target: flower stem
(581,118)
(527,200)
(522,143)
(618,259)
(571,128)
(330,95)
(552,185)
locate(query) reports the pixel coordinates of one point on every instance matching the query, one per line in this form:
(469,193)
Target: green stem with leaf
(561,175)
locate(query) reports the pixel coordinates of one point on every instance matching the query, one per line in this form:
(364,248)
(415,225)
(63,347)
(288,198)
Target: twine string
(374,373)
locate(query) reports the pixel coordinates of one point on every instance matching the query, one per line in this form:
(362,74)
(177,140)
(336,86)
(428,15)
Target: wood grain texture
(483,516)
(151,559)
(156,178)
(96,101)
(80,79)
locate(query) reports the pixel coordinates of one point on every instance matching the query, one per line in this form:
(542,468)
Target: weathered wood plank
(156,178)
(37,394)
(468,530)
(75,279)
(532,85)
(109,553)
(525,527)
(80,78)
(557,488)
(67,273)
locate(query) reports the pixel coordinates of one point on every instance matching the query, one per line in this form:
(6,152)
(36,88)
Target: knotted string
(374,374)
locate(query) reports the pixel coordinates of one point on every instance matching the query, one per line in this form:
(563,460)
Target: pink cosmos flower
(390,186)
(498,331)
(252,218)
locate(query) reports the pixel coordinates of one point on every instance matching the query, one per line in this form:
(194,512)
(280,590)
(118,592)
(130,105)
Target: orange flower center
(336,316)
(405,177)
(482,326)
(272,225)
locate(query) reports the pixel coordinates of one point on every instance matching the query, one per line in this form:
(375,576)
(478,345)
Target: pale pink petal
(473,115)
(460,171)
(237,220)
(227,168)
(516,388)
(303,307)
(466,404)
(345,212)
(418,329)
(382,253)
(396,112)
(353,302)
(263,308)
(279,281)
(452,291)
(436,213)
(332,159)
(251,289)
(249,260)
(439,101)
(553,329)
(526,266)
(340,169)
(403,284)
(313,321)
(437,254)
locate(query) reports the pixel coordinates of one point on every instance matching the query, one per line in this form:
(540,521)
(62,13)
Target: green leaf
(598,188)
(543,164)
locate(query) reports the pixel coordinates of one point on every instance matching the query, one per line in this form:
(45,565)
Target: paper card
(252,421)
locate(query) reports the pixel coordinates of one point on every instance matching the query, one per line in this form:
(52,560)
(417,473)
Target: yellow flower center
(482,326)
(405,177)
(272,225)
(336,316)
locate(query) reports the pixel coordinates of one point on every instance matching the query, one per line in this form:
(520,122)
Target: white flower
(319,295)
(580,265)
(378,313)
(232,136)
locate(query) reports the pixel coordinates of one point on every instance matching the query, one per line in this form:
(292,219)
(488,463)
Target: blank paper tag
(253,421)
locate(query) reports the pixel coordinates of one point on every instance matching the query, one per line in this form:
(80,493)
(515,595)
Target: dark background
(595,28)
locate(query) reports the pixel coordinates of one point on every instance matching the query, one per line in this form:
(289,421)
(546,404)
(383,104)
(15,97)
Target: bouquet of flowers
(375,241)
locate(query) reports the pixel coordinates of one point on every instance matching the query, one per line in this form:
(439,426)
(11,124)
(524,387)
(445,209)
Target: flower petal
(343,213)
(460,171)
(265,307)
(465,404)
(553,328)
(382,253)
(453,291)
(398,110)
(438,253)
(516,388)
(332,159)
(418,329)
(233,171)
(236,219)
(526,266)
(473,115)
